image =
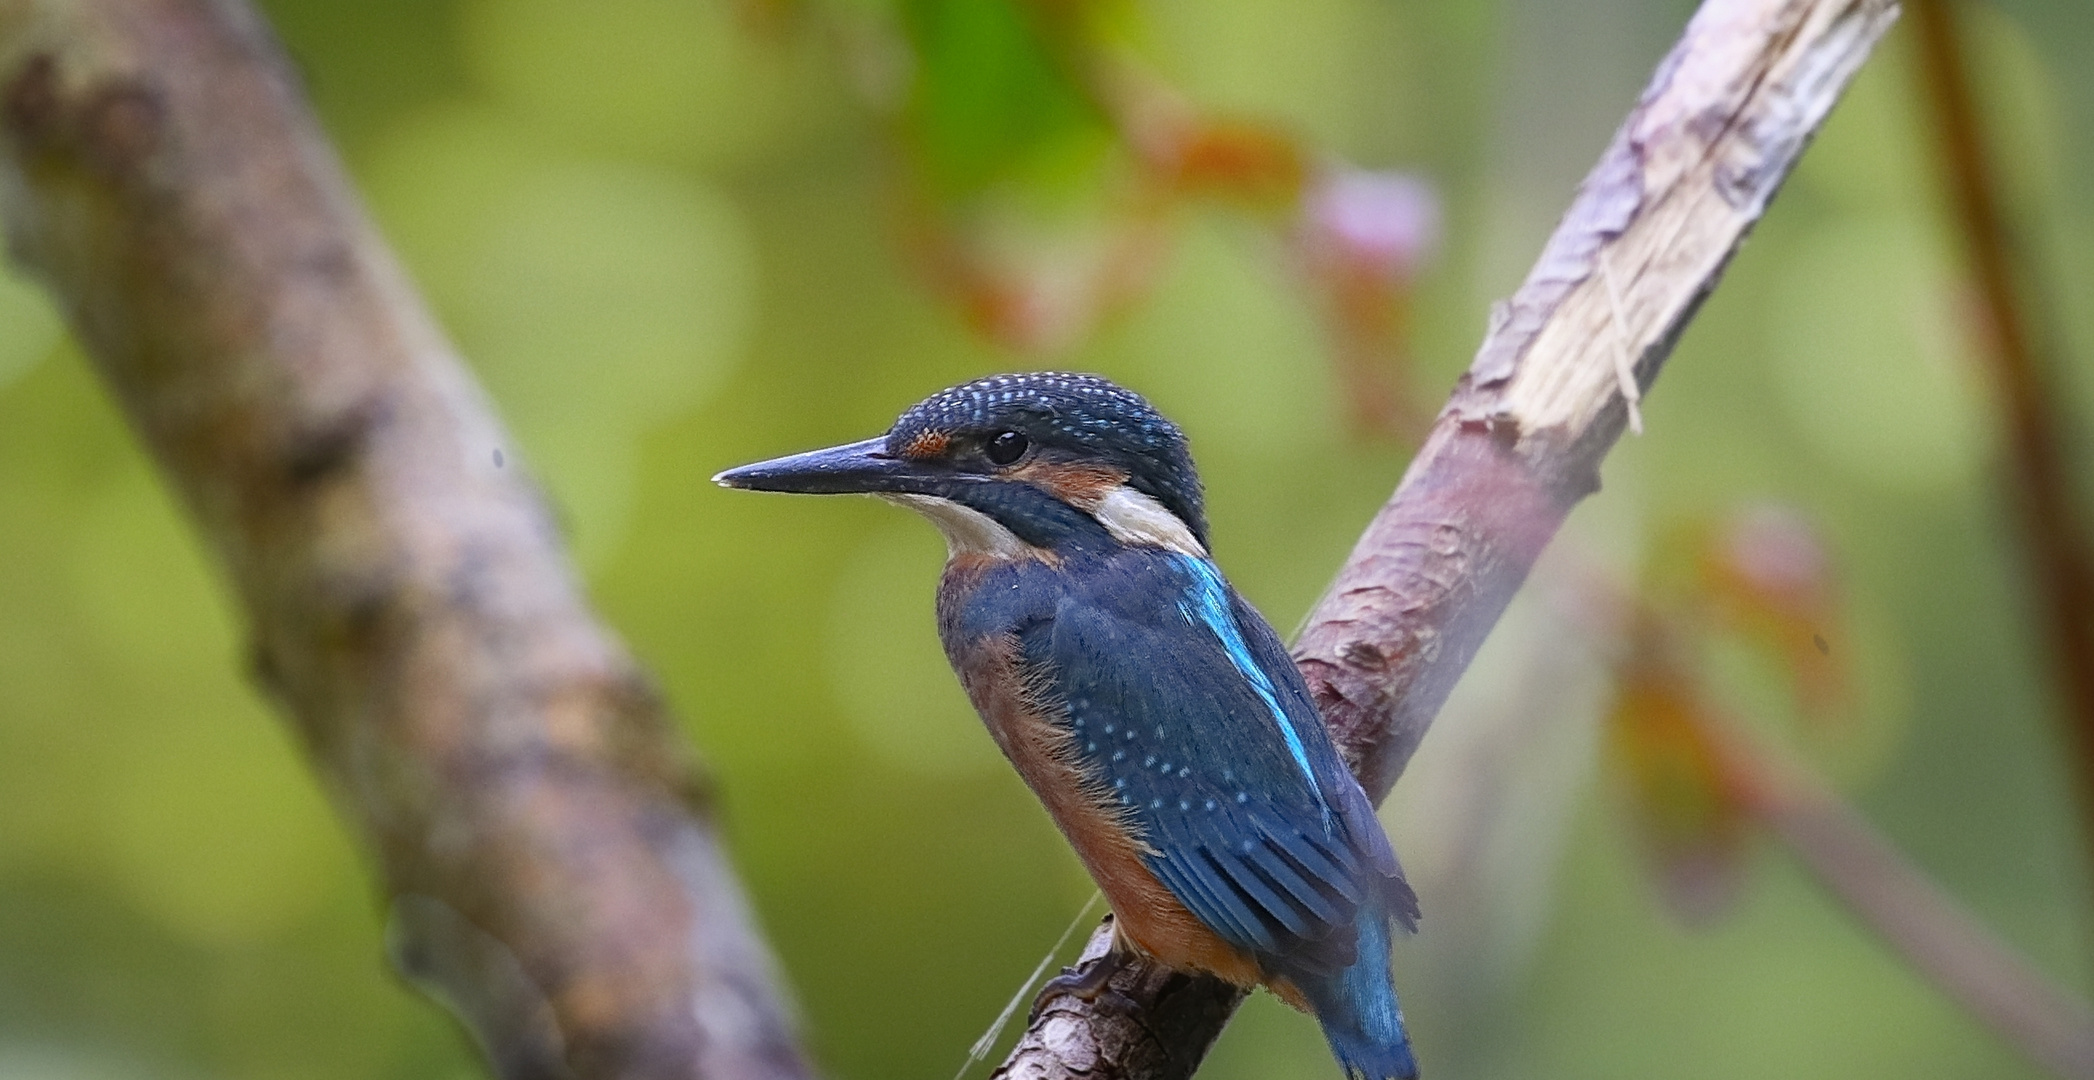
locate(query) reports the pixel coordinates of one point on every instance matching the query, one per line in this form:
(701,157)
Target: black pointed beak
(856,468)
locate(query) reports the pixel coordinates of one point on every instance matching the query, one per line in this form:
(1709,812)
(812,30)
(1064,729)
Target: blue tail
(1357,1008)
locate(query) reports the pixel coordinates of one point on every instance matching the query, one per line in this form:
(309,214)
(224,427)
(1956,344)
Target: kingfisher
(1153,711)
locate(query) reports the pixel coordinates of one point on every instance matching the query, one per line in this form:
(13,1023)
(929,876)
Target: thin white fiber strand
(987,1042)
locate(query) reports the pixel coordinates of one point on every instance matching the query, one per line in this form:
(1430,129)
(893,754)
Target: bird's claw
(1091,983)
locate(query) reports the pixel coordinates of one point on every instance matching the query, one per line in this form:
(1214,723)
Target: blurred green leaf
(994,100)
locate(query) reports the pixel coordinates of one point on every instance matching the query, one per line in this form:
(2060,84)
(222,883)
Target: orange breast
(1147,916)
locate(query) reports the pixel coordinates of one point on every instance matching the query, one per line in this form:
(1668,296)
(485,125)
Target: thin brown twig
(2059,563)
(541,836)
(1520,442)
(1945,942)
(1752,782)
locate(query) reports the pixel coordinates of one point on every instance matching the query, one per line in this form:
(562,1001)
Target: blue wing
(1185,706)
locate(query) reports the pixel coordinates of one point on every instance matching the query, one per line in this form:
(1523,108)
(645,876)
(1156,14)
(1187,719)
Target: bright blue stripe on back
(1209,604)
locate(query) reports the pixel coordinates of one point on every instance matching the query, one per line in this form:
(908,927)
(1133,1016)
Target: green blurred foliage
(662,233)
(992,101)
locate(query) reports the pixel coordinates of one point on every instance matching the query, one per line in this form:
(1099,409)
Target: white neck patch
(1136,519)
(967,531)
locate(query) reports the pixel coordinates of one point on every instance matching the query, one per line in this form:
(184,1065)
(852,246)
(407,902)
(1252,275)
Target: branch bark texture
(541,835)
(1520,442)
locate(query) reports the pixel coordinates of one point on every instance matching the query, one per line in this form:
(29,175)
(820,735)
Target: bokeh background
(675,235)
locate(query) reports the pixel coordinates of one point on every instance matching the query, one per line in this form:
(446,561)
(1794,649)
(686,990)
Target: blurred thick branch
(1522,438)
(542,836)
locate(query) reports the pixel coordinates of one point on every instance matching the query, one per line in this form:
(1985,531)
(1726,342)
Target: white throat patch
(967,531)
(1134,518)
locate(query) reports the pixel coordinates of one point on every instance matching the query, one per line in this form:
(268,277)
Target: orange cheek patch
(1082,486)
(929,444)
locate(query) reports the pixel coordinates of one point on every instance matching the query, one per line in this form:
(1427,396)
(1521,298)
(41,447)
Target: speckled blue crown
(1091,417)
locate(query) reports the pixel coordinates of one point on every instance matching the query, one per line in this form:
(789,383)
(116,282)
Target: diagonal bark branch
(543,840)
(1521,440)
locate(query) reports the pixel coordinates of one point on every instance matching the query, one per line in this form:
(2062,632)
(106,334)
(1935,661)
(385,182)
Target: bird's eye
(1008,447)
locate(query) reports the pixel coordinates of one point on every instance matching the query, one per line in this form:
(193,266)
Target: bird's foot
(1091,983)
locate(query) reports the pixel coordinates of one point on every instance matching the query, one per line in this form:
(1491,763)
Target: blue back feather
(1185,708)
(1207,602)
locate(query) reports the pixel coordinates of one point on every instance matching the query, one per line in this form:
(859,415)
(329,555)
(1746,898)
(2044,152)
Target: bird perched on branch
(1152,710)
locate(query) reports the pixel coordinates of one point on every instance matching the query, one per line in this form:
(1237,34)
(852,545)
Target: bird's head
(1016,464)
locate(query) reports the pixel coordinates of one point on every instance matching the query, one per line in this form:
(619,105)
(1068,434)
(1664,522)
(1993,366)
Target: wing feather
(1317,863)
(1323,908)
(1241,873)
(1227,773)
(1208,894)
